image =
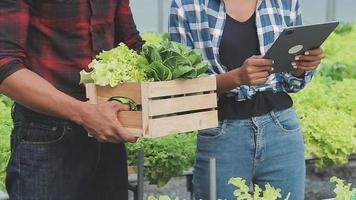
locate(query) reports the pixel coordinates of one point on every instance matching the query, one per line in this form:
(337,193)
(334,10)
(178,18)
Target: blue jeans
(264,149)
(55,159)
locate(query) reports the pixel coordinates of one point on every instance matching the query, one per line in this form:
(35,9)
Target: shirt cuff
(306,75)
(9,68)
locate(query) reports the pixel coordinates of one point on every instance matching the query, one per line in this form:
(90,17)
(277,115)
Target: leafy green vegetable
(116,66)
(159,62)
(165,157)
(342,191)
(340,61)
(162,73)
(171,60)
(125,100)
(344,28)
(184,71)
(242,191)
(328,118)
(5,131)
(154,38)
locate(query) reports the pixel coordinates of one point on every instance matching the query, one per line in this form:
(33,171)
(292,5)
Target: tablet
(295,40)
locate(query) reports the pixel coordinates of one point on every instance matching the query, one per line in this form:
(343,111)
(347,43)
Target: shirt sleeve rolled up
(14,20)
(128,32)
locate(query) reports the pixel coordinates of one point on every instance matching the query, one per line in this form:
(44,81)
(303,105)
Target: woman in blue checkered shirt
(259,136)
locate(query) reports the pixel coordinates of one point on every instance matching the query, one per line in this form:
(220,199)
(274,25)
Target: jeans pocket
(41,133)
(286,120)
(212,133)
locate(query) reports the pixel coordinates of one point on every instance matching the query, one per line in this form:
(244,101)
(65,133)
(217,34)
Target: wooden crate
(168,107)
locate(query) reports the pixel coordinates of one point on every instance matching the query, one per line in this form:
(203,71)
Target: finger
(123,133)
(259,81)
(106,139)
(256,69)
(256,56)
(308,58)
(306,64)
(114,137)
(306,68)
(120,107)
(260,75)
(313,52)
(101,137)
(260,62)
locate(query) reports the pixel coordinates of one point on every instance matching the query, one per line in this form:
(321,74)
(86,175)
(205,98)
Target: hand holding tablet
(294,41)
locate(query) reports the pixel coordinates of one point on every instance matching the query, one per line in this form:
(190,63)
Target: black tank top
(239,42)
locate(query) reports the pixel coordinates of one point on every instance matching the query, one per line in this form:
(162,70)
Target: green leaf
(201,68)
(195,59)
(183,72)
(163,72)
(343,191)
(152,54)
(177,62)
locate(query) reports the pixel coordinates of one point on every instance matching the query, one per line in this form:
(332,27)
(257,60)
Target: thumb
(257,56)
(121,107)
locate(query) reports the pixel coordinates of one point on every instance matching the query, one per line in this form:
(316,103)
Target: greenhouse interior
(182,146)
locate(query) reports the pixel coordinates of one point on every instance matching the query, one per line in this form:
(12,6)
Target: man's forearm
(34,92)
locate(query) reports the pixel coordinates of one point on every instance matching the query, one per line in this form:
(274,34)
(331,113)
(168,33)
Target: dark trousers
(55,159)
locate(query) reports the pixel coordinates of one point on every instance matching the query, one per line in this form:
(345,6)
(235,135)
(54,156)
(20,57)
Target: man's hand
(101,122)
(310,60)
(255,70)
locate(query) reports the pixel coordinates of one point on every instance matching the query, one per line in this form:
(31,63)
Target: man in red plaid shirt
(43,46)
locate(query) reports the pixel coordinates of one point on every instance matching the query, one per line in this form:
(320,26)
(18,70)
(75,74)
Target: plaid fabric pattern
(58,38)
(200,23)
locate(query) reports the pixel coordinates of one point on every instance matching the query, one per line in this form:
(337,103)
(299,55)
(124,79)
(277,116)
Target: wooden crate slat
(182,123)
(176,87)
(145,108)
(91,94)
(130,90)
(101,99)
(182,104)
(131,119)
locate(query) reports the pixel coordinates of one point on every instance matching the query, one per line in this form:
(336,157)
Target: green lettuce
(116,66)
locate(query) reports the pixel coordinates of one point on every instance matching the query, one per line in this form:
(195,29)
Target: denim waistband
(21,113)
(270,116)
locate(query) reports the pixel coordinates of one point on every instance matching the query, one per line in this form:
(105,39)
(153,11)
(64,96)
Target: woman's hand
(310,60)
(255,70)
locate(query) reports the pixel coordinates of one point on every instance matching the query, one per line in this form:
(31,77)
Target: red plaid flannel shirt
(58,38)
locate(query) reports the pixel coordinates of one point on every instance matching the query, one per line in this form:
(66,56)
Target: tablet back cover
(295,41)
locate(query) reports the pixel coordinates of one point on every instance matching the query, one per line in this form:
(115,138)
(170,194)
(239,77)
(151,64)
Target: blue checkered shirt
(199,24)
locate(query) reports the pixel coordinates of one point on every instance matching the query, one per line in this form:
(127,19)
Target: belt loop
(274,116)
